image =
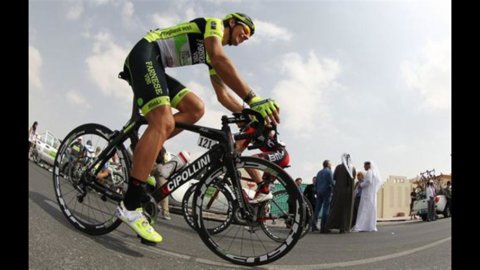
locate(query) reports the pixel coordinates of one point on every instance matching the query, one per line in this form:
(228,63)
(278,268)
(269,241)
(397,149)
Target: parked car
(45,150)
(420,206)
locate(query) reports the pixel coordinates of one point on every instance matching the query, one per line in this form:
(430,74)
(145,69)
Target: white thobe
(367,208)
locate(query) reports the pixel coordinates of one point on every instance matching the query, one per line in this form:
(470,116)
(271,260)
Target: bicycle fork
(243,211)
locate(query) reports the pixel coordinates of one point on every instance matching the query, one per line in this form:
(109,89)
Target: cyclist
(74,152)
(88,151)
(272,149)
(104,171)
(198,41)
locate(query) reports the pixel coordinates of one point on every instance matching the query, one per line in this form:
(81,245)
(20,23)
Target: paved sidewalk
(397,220)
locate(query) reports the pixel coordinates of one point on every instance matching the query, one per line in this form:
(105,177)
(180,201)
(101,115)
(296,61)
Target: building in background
(393,198)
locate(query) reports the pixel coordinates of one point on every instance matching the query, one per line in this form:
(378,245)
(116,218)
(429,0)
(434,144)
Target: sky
(368,78)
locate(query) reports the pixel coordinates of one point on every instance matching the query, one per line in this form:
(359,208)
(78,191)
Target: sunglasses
(246,28)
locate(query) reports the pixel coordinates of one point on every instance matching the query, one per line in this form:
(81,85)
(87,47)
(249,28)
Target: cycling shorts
(152,87)
(279,157)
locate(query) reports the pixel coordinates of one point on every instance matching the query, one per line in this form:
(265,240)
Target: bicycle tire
(306,221)
(93,213)
(187,206)
(308,216)
(282,215)
(231,244)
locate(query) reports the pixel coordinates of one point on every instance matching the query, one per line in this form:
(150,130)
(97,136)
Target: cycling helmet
(242,19)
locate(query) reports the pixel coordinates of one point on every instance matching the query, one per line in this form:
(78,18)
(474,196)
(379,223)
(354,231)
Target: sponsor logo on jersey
(275,156)
(199,54)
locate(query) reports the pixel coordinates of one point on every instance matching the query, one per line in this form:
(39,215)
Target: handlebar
(244,117)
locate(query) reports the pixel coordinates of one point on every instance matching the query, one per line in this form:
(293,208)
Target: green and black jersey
(184,43)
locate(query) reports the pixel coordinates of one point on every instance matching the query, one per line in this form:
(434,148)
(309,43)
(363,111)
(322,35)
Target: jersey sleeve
(213,27)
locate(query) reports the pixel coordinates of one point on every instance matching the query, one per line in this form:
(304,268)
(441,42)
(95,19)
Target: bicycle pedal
(146,242)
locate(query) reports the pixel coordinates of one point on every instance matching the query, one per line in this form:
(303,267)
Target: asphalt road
(55,244)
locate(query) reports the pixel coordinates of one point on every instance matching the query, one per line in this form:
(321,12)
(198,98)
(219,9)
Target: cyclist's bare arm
(224,67)
(223,96)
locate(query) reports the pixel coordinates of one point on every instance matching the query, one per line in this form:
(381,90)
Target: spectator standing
(309,193)
(323,187)
(32,136)
(341,207)
(413,197)
(430,193)
(448,195)
(298,182)
(367,208)
(357,192)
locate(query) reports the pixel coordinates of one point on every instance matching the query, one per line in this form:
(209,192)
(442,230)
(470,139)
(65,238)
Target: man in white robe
(367,209)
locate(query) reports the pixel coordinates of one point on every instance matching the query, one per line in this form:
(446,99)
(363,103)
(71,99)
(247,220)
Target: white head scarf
(377,178)
(347,162)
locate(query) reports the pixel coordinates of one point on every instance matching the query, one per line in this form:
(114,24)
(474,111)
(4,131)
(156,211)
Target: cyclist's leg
(149,85)
(190,107)
(282,159)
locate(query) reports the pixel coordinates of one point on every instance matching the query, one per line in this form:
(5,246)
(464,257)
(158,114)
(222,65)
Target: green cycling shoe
(137,221)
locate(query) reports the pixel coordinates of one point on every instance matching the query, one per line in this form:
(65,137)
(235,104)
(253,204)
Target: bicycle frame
(223,152)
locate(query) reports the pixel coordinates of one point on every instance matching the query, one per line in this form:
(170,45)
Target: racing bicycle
(225,227)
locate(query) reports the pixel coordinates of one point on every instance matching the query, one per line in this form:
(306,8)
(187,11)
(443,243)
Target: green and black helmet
(242,19)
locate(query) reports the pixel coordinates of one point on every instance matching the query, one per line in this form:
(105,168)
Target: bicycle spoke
(87,208)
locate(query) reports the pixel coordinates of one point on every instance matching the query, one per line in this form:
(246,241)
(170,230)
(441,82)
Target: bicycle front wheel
(89,210)
(277,210)
(219,201)
(187,207)
(243,241)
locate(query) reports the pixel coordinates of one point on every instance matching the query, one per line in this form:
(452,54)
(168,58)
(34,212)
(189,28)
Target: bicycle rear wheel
(89,210)
(243,241)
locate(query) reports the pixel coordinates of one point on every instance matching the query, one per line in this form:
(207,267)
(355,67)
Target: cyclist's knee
(198,112)
(192,106)
(161,119)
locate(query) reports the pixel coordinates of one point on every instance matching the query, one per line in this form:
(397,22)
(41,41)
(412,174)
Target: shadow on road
(108,241)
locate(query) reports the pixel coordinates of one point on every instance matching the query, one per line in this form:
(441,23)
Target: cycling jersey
(183,44)
(179,45)
(76,149)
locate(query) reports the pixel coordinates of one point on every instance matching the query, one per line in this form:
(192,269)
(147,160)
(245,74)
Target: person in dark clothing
(413,197)
(448,195)
(309,193)
(341,208)
(323,188)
